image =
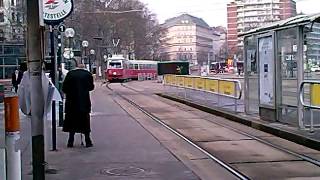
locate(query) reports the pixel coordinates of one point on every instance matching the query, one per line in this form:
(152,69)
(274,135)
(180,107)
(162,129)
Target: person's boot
(70,140)
(88,140)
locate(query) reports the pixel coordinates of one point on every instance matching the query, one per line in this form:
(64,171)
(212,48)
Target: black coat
(16,81)
(77,85)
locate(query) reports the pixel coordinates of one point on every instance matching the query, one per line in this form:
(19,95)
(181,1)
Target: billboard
(173,67)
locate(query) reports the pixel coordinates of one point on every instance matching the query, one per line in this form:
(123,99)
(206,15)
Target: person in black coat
(16,79)
(77,85)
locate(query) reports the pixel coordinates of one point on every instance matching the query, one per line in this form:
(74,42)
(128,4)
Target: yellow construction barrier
(188,82)
(315,94)
(227,88)
(212,85)
(166,79)
(180,81)
(200,83)
(217,86)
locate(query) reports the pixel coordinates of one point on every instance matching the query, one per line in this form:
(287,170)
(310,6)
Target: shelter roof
(283,24)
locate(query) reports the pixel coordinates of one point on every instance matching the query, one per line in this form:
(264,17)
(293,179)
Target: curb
(290,136)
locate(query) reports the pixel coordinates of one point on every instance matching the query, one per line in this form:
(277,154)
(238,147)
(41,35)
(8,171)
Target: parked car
(315,69)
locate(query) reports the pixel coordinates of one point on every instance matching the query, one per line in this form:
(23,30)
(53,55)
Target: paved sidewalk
(121,145)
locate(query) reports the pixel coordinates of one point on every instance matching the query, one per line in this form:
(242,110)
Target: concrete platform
(303,137)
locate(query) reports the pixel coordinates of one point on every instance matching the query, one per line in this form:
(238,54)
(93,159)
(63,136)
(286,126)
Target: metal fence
(146,76)
(208,91)
(310,100)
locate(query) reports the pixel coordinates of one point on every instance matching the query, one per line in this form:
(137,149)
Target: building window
(1,3)
(12,2)
(1,17)
(13,16)
(1,36)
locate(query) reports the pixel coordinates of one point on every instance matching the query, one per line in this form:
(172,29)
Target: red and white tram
(121,69)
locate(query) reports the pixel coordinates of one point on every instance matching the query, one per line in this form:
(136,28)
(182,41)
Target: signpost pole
(35,59)
(54,12)
(59,59)
(53,79)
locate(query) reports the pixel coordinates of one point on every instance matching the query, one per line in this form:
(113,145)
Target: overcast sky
(214,12)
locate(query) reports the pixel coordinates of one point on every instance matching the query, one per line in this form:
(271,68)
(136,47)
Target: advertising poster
(266,71)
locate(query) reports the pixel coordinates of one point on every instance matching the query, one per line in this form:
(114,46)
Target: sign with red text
(55,11)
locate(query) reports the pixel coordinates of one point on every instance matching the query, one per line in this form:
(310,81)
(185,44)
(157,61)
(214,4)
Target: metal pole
(60,79)
(12,128)
(300,75)
(311,123)
(218,93)
(235,100)
(35,59)
(85,56)
(53,79)
(90,63)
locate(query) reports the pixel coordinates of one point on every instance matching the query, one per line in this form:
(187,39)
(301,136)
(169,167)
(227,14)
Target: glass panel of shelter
(251,75)
(287,44)
(311,67)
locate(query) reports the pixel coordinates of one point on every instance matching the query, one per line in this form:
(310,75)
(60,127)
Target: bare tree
(129,20)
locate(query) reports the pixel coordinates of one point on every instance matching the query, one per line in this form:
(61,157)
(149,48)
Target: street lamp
(85,44)
(92,52)
(68,53)
(69,32)
(105,57)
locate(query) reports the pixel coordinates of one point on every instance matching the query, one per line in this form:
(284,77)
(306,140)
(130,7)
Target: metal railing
(314,103)
(217,86)
(146,76)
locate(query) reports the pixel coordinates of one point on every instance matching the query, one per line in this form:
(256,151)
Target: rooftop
(185,19)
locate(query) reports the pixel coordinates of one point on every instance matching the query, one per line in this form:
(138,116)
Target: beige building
(187,38)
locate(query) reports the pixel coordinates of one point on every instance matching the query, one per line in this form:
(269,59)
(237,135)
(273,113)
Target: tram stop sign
(55,11)
(62,28)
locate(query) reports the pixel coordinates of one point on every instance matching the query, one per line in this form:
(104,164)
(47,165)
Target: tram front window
(115,65)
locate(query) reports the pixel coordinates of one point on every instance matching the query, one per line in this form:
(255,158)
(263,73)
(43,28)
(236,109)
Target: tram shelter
(277,58)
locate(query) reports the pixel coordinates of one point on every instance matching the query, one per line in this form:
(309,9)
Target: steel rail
(301,156)
(220,162)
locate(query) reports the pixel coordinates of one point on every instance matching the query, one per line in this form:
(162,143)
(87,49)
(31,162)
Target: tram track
(233,171)
(301,156)
(198,145)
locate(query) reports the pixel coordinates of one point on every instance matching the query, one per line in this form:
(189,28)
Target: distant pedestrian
(77,85)
(16,79)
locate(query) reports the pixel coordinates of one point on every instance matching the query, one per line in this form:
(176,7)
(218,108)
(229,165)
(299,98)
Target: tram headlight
(114,73)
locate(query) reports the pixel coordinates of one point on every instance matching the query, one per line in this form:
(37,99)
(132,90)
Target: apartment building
(313,45)
(244,15)
(187,38)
